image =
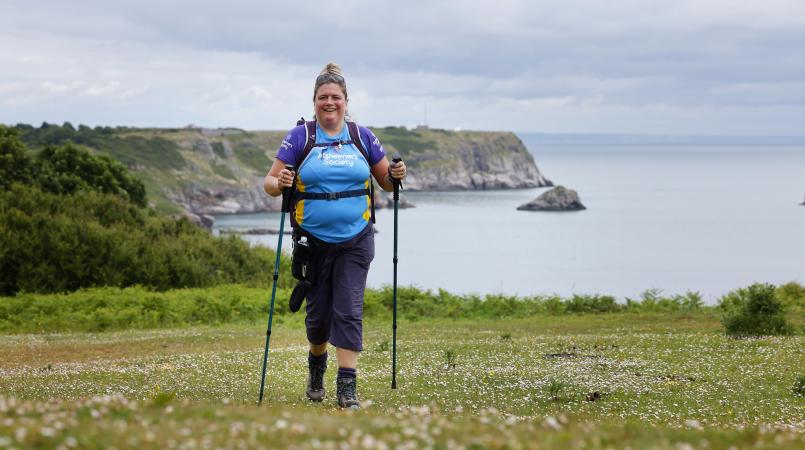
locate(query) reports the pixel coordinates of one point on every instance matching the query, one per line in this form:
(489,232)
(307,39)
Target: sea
(669,218)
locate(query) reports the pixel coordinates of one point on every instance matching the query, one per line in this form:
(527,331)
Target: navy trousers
(335,302)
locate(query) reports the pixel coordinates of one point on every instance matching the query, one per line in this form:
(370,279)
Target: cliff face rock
(557,199)
(202,172)
(226,166)
(216,200)
(441,160)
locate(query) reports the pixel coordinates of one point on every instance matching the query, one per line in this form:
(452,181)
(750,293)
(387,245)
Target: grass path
(612,380)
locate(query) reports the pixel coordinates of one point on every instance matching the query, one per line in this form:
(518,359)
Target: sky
(720,67)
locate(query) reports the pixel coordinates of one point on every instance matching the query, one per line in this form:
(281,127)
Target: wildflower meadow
(616,380)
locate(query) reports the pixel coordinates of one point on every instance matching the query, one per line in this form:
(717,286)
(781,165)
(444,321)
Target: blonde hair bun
(332,69)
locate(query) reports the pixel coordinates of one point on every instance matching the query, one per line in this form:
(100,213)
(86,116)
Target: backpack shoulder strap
(355,137)
(310,141)
(310,137)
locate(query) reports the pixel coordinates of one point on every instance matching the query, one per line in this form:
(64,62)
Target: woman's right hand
(285,178)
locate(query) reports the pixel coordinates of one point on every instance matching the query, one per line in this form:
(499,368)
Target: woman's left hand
(397,170)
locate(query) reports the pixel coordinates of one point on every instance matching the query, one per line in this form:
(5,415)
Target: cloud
(473,63)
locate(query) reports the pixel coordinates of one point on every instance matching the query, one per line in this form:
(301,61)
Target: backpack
(310,143)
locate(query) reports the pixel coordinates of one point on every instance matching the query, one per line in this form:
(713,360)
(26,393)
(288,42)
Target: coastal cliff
(464,160)
(202,172)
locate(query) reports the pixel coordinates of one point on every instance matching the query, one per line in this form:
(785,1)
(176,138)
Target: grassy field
(587,381)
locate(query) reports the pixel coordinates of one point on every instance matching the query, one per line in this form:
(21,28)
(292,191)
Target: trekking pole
(286,207)
(397,186)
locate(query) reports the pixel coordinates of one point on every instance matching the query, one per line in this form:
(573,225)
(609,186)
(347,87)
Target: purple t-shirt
(290,150)
(332,169)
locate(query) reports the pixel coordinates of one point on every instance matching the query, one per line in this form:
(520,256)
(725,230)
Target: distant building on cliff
(424,124)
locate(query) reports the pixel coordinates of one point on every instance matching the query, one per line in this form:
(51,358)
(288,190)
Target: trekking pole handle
(286,193)
(396,182)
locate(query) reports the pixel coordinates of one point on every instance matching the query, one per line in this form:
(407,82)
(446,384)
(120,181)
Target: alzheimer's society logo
(337,159)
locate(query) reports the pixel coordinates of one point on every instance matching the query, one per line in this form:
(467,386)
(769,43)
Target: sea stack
(386,200)
(559,198)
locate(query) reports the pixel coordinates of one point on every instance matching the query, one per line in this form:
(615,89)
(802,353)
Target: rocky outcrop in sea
(386,200)
(559,198)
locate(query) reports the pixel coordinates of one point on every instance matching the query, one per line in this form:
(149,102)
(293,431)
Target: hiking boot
(346,391)
(315,381)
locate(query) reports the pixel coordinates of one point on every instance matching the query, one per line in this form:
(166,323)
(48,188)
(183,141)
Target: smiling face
(330,105)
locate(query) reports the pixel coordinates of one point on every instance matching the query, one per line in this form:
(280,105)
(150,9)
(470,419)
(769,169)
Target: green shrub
(690,301)
(791,295)
(58,243)
(592,304)
(115,308)
(754,311)
(71,220)
(68,169)
(64,170)
(414,303)
(554,306)
(111,308)
(16,165)
(652,300)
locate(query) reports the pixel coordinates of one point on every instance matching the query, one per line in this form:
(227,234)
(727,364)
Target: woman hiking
(332,209)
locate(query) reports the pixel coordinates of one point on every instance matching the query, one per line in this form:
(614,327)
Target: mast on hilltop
(424,125)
